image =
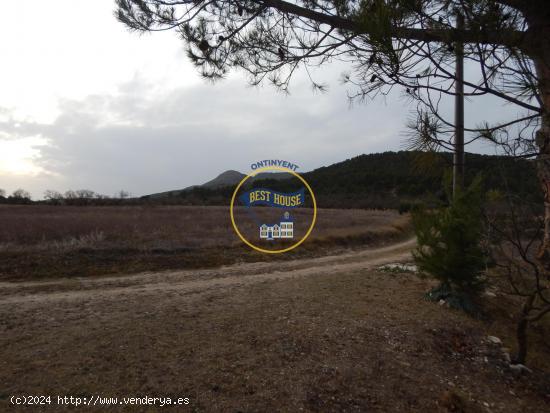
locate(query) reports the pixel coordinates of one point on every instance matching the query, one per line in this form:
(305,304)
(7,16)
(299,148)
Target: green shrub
(449,246)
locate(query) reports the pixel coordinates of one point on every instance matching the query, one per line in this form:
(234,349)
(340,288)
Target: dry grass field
(38,241)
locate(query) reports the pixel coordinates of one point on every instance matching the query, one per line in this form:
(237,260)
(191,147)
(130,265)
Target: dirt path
(201,280)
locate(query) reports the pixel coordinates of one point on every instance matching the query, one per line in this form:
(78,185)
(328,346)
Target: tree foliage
(21,194)
(386,43)
(449,243)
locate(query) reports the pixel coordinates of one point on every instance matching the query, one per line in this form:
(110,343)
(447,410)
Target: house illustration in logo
(285,229)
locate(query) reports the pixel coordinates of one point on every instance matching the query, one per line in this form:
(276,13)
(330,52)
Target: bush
(449,247)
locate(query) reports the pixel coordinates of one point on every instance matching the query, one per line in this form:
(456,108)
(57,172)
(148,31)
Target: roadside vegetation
(480,242)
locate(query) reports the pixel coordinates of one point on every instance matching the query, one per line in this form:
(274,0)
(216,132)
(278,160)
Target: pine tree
(449,247)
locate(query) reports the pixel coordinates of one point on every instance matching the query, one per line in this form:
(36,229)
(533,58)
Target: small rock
(494,340)
(489,294)
(520,368)
(453,401)
(441,302)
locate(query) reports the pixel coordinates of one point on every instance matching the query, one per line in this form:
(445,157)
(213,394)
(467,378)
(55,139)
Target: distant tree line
(19,196)
(70,197)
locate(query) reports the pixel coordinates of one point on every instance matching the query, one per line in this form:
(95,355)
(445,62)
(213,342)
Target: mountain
(228,178)
(381,180)
(224,179)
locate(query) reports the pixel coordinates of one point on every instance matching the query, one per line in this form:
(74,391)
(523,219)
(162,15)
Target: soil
(328,334)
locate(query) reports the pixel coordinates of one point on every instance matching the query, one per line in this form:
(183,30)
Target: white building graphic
(285,229)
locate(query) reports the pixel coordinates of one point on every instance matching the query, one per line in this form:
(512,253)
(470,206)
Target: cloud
(145,139)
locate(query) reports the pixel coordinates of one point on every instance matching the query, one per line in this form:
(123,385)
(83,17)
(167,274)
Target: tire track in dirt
(199,281)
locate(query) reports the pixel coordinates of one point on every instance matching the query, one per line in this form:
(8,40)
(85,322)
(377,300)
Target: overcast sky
(86,104)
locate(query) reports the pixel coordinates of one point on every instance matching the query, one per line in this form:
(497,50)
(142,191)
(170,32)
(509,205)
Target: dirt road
(194,281)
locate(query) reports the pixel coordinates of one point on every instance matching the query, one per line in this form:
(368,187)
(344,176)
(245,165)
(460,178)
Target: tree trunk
(538,48)
(543,159)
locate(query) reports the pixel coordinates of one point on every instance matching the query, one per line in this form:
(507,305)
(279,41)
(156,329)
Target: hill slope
(382,180)
(229,178)
(224,179)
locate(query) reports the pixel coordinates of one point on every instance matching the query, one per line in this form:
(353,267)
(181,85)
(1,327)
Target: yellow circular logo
(236,228)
